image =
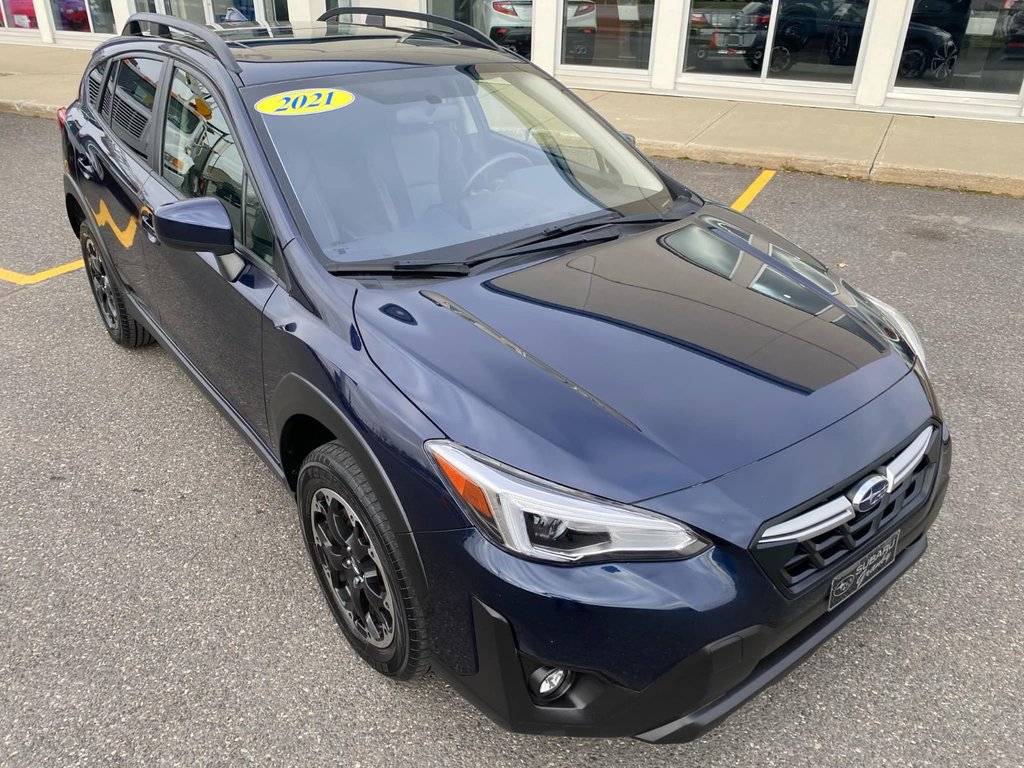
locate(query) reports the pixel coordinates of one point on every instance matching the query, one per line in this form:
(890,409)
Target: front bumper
(661,651)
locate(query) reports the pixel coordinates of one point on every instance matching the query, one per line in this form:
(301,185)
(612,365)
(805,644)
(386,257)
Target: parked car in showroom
(609,457)
(21,14)
(727,34)
(510,24)
(1010,26)
(928,51)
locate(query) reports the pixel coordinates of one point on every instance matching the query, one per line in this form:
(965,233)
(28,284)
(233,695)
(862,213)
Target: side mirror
(628,137)
(200,224)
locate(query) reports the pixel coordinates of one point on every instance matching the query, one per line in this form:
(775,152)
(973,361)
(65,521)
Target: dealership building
(961,58)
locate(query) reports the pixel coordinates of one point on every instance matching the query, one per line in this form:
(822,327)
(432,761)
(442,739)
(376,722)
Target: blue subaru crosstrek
(610,457)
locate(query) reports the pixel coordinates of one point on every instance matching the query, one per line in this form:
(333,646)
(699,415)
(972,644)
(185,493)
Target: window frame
(156,166)
(110,80)
(83,94)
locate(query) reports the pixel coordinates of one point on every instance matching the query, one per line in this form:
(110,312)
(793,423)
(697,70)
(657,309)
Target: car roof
(274,53)
(315,50)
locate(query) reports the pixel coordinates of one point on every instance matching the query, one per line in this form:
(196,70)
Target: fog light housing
(550,683)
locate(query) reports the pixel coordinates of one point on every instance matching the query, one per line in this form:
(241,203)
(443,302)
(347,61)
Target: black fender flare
(296,396)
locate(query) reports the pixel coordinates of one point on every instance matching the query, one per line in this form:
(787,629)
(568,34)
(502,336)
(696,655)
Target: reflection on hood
(740,299)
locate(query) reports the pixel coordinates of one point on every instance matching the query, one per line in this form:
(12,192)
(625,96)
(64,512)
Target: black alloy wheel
(363,569)
(944,62)
(352,568)
(100,282)
(121,326)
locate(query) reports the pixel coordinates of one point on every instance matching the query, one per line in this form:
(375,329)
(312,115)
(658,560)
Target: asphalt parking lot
(156,605)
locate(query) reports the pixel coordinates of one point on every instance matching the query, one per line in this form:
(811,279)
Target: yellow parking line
(753,191)
(21,279)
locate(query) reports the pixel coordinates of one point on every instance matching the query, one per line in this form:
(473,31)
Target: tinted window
(134,93)
(94,83)
(200,159)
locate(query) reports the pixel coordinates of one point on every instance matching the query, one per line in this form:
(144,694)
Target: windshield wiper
(587,231)
(409,267)
(568,235)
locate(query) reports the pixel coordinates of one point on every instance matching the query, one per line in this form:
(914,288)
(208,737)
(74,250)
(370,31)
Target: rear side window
(200,159)
(94,83)
(133,97)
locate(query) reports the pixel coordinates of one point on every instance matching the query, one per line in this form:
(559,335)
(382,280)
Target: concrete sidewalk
(976,155)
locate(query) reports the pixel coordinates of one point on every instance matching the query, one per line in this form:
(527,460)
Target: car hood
(637,367)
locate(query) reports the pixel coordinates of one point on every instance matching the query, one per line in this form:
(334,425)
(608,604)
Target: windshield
(449,160)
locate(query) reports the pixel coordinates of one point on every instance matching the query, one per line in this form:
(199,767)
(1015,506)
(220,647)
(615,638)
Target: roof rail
(377,17)
(164,25)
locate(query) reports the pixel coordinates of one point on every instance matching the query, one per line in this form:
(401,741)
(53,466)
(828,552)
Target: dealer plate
(849,582)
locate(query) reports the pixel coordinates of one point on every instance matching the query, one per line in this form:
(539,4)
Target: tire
(782,59)
(794,32)
(754,59)
(913,62)
(124,329)
(361,571)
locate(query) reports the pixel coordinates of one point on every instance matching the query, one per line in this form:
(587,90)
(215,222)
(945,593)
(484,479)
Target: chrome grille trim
(837,511)
(808,525)
(900,468)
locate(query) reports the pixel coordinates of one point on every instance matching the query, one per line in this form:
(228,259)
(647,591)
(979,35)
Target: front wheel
(944,61)
(355,555)
(121,326)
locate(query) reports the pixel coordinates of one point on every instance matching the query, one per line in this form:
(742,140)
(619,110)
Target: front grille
(798,565)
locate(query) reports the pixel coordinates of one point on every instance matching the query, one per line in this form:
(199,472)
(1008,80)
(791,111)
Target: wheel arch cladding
(302,415)
(75,213)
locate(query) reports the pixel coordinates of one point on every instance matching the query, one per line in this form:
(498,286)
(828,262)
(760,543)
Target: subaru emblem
(869,493)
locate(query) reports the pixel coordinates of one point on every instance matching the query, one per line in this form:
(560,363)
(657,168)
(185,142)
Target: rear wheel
(914,62)
(355,556)
(122,327)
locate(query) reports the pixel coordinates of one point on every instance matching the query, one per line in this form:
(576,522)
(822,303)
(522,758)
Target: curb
(28,108)
(935,178)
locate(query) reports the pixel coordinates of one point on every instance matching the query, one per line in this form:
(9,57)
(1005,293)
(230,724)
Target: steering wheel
(504,157)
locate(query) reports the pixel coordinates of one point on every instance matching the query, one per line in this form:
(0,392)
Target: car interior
(422,164)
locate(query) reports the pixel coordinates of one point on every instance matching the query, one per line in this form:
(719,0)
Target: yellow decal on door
(308,101)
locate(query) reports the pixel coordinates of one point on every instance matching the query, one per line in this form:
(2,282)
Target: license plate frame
(855,577)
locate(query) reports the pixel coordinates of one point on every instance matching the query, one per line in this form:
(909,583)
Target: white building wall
(872,87)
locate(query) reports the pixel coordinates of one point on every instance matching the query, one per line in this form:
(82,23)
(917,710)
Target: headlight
(903,328)
(540,520)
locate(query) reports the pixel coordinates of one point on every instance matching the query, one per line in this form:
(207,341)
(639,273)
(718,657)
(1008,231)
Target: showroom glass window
(507,22)
(218,11)
(83,16)
(607,33)
(19,14)
(814,40)
(967,45)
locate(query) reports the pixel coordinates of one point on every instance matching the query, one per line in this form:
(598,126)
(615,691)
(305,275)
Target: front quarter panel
(316,365)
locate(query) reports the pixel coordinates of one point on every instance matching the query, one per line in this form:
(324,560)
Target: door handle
(146,220)
(85,166)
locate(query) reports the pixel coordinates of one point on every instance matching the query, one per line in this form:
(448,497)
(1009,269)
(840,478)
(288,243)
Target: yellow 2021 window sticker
(308,101)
